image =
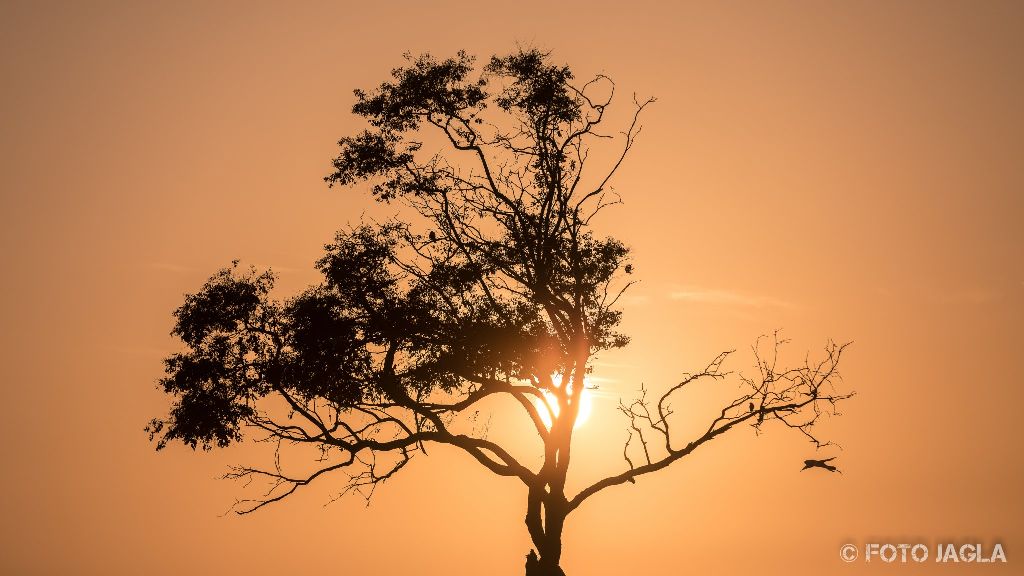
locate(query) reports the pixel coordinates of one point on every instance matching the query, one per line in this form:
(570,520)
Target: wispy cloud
(634,299)
(170,267)
(144,351)
(728,298)
(604,364)
(183,269)
(975,296)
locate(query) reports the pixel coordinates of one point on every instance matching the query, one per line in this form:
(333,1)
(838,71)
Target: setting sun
(551,407)
(343,263)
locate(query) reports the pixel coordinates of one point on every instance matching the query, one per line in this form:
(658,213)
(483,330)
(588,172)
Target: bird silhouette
(433,236)
(751,407)
(821,464)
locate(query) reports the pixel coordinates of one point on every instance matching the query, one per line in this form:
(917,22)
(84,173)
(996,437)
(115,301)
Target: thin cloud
(182,269)
(604,364)
(171,267)
(975,296)
(728,298)
(144,351)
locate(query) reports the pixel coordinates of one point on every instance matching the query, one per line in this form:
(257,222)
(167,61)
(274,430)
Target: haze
(848,170)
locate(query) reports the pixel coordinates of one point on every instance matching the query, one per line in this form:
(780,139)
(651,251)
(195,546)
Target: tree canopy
(494,284)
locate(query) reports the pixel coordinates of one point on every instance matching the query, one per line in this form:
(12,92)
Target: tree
(494,285)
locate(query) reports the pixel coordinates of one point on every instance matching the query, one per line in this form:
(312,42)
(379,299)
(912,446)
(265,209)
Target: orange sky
(836,170)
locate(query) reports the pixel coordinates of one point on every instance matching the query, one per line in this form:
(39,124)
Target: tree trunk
(538,567)
(549,543)
(547,507)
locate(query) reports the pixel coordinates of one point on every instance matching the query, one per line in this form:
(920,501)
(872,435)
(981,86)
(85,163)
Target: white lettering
(914,552)
(950,554)
(970,555)
(997,552)
(889,548)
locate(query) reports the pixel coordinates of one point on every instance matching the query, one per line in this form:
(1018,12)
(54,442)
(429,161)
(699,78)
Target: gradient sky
(843,170)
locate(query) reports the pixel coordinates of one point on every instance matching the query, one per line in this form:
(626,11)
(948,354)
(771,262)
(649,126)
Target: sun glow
(550,408)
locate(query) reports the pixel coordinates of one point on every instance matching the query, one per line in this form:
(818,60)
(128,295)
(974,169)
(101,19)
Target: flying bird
(821,464)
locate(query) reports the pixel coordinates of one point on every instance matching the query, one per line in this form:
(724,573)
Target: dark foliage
(495,284)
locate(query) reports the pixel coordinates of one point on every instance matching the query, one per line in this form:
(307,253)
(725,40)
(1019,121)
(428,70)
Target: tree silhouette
(494,285)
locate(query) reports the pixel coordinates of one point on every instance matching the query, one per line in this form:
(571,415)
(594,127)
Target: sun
(551,407)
